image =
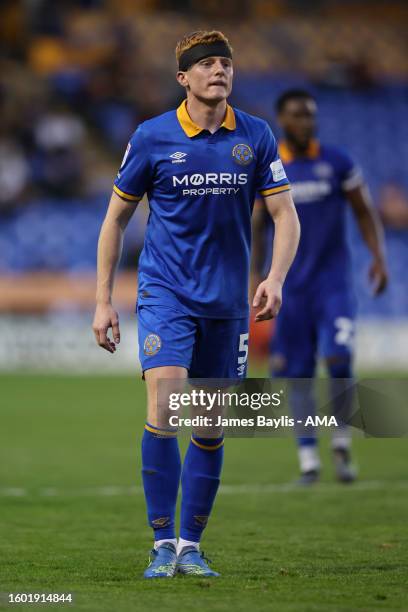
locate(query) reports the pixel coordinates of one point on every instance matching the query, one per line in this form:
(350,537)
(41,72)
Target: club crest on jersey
(152,344)
(242,154)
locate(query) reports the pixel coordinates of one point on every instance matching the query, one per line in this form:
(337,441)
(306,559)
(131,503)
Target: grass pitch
(72,514)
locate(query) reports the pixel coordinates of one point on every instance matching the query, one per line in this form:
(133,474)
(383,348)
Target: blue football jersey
(201,188)
(319,181)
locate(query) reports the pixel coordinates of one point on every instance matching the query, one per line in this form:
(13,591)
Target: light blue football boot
(345,471)
(192,562)
(162,562)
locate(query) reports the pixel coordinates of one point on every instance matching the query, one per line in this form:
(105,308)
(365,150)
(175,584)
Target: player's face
(209,79)
(298,121)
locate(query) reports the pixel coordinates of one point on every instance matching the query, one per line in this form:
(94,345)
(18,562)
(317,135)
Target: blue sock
(303,404)
(199,481)
(341,390)
(161,469)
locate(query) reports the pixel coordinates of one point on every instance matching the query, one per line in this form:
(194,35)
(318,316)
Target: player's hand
(106,317)
(268,297)
(378,275)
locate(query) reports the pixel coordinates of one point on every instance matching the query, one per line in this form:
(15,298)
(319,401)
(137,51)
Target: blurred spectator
(14,174)
(348,73)
(393,206)
(234,10)
(59,137)
(13,32)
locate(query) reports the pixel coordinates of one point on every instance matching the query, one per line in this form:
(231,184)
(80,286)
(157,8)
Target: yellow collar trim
(192,129)
(287,156)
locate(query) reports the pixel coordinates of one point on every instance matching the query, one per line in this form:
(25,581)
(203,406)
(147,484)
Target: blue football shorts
(207,348)
(311,326)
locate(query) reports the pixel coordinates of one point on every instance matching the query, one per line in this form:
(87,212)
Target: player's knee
(159,409)
(282,367)
(339,366)
(278,365)
(163,384)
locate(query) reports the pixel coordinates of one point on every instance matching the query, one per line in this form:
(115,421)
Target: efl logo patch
(126,155)
(152,345)
(278,171)
(242,154)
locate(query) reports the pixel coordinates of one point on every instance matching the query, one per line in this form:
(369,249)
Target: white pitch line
(12,492)
(239,489)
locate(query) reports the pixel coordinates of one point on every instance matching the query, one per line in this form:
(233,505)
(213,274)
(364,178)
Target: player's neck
(297,149)
(205,115)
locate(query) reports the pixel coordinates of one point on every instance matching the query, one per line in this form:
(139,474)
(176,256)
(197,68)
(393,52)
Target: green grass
(332,548)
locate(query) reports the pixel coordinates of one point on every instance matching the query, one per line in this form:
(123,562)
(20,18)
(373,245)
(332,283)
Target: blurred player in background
(201,167)
(318,312)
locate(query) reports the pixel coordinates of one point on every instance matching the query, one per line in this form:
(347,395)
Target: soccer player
(318,312)
(200,166)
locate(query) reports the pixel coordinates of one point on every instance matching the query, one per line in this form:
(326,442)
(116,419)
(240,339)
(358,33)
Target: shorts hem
(345,352)
(164,365)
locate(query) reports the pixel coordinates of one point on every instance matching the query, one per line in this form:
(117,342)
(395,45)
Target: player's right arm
(110,244)
(133,179)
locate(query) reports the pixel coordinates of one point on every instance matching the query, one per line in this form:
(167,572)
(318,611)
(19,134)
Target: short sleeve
(271,177)
(350,174)
(133,178)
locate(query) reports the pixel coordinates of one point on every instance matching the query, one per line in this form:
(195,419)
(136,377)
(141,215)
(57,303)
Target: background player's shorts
(208,348)
(312,326)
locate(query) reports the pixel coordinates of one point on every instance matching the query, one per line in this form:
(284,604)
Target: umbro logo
(241,370)
(178,157)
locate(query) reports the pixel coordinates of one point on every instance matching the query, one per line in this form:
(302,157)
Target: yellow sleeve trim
(126,196)
(205,447)
(161,432)
(274,190)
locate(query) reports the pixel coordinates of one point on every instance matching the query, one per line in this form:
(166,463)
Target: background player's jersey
(201,188)
(319,181)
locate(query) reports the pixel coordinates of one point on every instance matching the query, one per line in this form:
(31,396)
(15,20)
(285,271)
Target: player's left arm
(372,233)
(268,295)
